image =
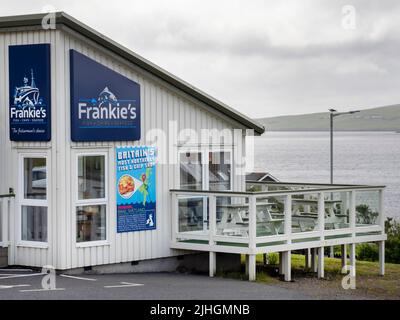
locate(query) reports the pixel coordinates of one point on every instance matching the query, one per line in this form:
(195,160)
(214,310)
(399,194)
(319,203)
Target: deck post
(246,265)
(212,227)
(331,252)
(321,214)
(307,258)
(213,263)
(281,263)
(286,255)
(252,267)
(174,217)
(288,265)
(353,259)
(381,245)
(321,229)
(314,265)
(344,258)
(352,213)
(321,266)
(252,237)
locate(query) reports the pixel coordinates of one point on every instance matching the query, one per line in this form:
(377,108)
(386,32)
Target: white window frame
(204,151)
(22,201)
(87,202)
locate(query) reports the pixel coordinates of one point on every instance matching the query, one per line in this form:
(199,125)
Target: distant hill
(376,119)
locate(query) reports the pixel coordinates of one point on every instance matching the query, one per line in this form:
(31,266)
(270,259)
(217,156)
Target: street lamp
(334,113)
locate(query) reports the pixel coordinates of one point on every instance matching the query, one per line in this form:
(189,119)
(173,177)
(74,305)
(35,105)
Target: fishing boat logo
(28,96)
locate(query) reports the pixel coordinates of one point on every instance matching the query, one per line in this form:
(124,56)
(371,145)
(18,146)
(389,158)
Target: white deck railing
(290,216)
(6,207)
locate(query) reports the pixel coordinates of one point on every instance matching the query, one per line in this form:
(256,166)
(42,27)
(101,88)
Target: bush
(367,252)
(273,258)
(370,252)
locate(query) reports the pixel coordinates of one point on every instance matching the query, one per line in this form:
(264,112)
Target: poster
(136,188)
(105,105)
(29,85)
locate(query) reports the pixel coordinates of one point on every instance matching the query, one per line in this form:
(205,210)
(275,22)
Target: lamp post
(334,113)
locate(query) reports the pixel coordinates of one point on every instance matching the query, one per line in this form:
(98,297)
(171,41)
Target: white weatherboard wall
(160,103)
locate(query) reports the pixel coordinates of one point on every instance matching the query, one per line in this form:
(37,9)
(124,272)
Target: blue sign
(136,188)
(30,101)
(105,106)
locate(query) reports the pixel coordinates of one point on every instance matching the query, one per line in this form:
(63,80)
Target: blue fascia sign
(29,92)
(105,106)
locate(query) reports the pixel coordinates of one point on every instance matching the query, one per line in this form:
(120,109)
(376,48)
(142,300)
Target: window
(91,204)
(202,169)
(214,173)
(191,171)
(33,205)
(219,164)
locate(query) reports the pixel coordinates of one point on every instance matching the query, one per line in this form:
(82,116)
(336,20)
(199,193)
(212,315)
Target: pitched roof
(61,18)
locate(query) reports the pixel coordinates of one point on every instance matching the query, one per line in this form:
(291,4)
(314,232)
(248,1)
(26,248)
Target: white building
(60,169)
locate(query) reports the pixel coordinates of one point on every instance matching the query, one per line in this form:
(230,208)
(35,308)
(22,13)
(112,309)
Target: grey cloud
(264,58)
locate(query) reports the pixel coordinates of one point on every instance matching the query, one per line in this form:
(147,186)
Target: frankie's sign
(105,106)
(29,95)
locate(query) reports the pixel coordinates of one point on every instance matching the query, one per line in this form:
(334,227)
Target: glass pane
(337,210)
(91,223)
(91,177)
(219,170)
(34,223)
(191,171)
(270,216)
(367,208)
(35,178)
(192,214)
(232,216)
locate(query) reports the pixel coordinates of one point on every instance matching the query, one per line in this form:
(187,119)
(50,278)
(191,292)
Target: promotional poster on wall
(136,188)
(29,85)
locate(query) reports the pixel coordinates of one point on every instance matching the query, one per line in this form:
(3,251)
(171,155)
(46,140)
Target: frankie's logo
(106,107)
(27,102)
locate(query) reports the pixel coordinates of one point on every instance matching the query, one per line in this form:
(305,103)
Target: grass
(368,282)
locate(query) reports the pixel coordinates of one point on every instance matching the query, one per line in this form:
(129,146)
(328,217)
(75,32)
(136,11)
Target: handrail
(6,205)
(277,183)
(278,192)
(9,195)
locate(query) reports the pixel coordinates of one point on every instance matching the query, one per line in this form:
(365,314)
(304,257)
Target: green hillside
(376,119)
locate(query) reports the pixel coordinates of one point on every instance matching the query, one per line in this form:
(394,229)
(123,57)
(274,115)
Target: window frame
(205,151)
(24,202)
(90,202)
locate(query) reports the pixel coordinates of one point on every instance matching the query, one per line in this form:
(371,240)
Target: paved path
(147,286)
